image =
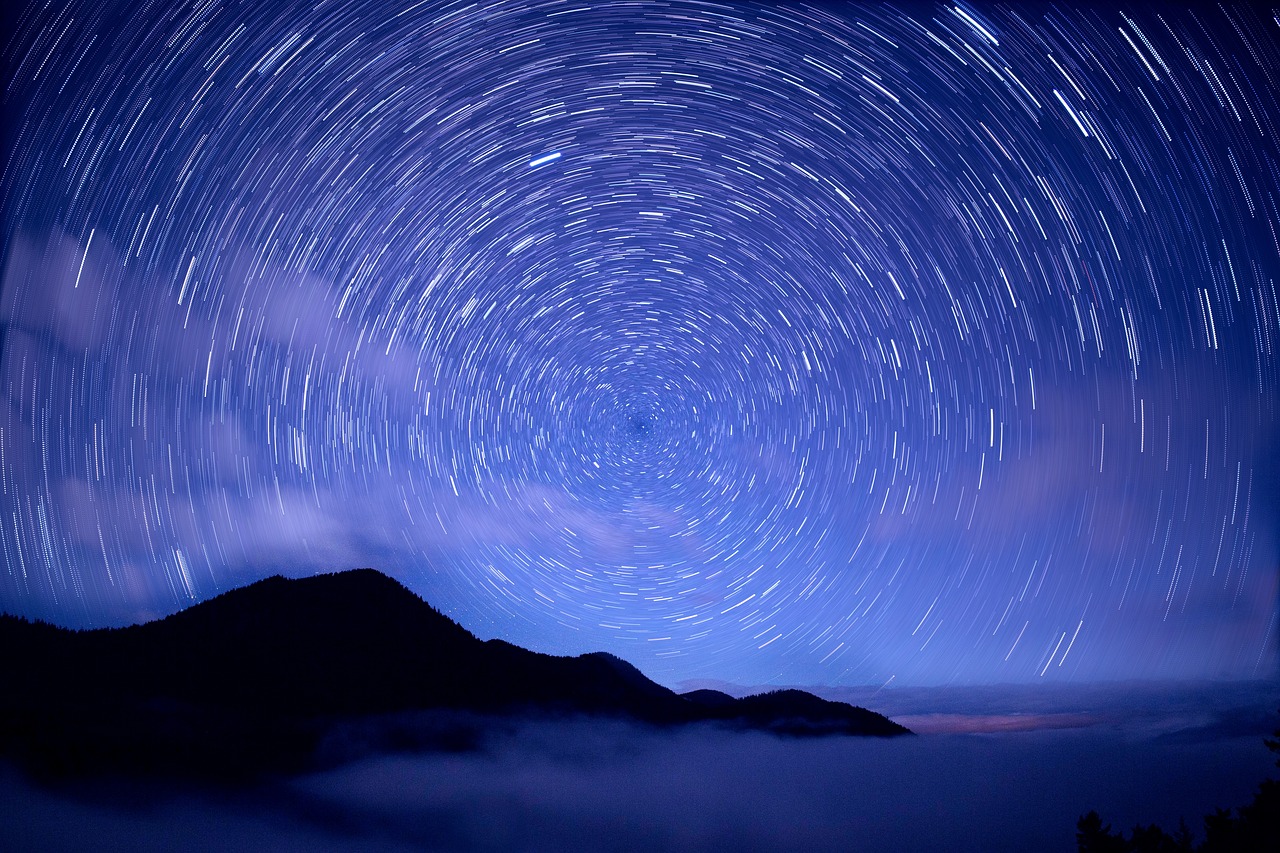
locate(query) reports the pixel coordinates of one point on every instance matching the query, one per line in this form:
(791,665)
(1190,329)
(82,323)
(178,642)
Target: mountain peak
(258,674)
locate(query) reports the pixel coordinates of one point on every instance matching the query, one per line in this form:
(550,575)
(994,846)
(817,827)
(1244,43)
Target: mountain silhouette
(269,677)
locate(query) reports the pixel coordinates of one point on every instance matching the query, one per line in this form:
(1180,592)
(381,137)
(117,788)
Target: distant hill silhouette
(259,679)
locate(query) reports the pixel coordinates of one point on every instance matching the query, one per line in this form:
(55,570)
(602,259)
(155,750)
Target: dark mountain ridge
(256,679)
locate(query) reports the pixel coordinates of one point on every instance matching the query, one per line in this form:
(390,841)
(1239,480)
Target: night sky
(779,343)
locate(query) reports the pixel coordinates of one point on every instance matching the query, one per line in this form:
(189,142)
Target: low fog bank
(600,785)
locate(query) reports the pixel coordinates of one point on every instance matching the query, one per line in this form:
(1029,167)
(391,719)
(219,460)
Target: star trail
(837,343)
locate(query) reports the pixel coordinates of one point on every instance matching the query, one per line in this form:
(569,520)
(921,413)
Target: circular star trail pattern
(769,342)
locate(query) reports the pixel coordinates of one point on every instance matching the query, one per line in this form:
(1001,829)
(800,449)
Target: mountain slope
(254,679)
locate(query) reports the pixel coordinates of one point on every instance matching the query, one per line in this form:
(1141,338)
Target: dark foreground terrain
(285,676)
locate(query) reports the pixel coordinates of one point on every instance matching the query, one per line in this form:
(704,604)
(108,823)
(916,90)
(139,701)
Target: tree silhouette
(1093,837)
(1255,826)
(1252,827)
